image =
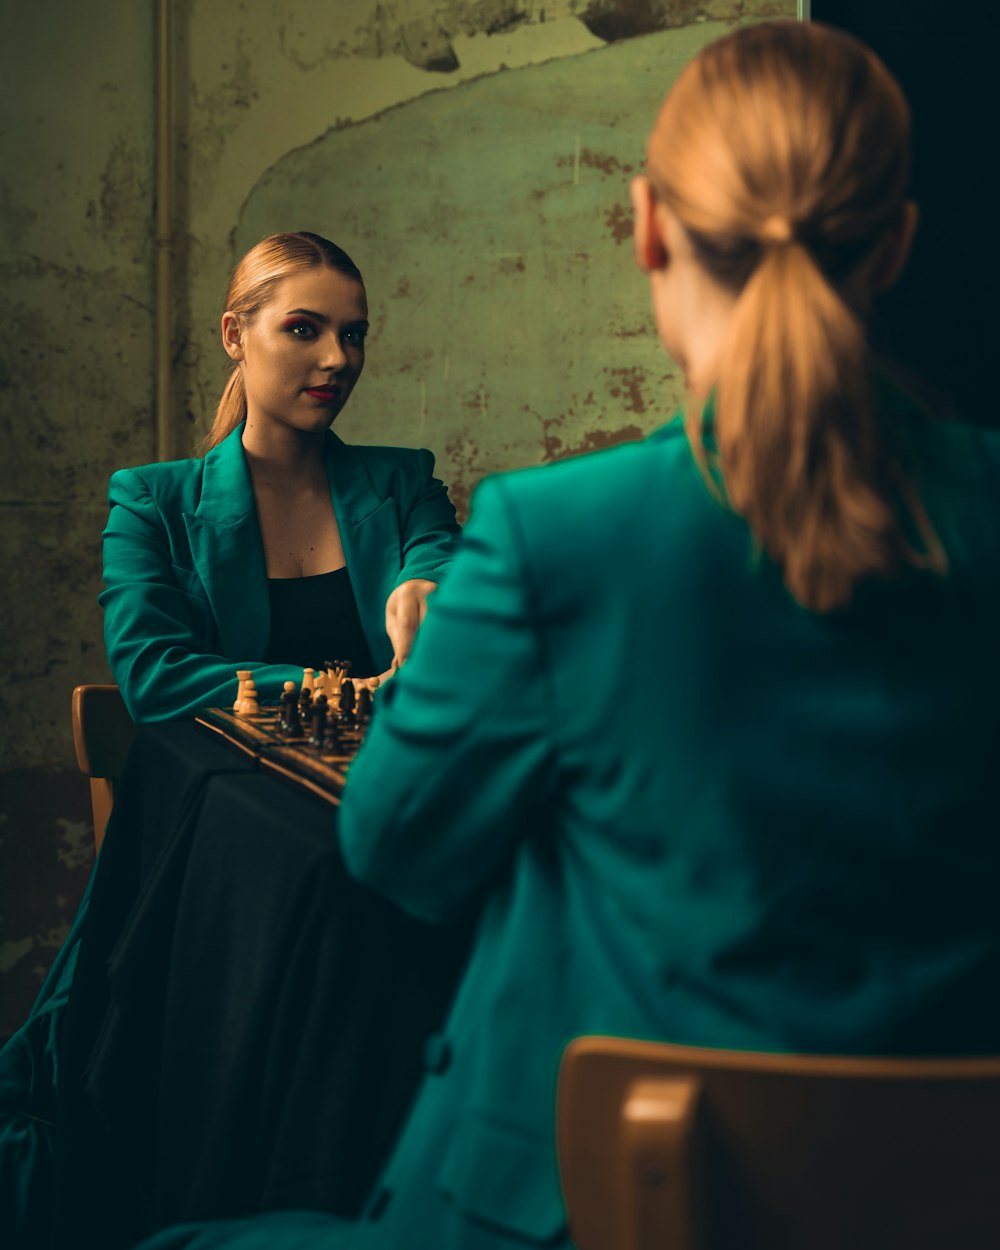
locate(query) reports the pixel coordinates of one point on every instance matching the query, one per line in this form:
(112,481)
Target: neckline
(310,577)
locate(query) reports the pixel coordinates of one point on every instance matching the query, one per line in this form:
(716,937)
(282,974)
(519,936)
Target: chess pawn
(290,721)
(318,721)
(245,675)
(363,706)
(345,711)
(305,706)
(249,705)
(331,739)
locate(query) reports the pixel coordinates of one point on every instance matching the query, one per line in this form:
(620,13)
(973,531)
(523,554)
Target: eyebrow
(308,312)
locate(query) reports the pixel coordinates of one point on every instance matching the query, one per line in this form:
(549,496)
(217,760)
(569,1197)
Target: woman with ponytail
(282,546)
(723,759)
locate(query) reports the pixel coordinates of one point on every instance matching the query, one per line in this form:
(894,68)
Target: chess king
(282,544)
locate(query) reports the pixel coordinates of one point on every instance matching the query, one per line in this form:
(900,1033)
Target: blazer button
(437,1054)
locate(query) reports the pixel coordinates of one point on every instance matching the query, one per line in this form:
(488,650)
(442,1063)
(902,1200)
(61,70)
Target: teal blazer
(186,600)
(687,808)
(699,812)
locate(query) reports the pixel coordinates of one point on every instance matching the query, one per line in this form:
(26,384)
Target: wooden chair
(680,1148)
(102,734)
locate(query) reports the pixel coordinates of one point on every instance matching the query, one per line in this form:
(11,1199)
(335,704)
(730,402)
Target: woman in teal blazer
(186,598)
(195,551)
(196,554)
(706,725)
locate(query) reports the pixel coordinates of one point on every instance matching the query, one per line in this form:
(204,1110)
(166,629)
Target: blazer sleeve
(159,631)
(458,761)
(429,530)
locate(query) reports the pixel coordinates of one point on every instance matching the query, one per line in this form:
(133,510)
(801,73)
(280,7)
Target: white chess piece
(251,706)
(245,675)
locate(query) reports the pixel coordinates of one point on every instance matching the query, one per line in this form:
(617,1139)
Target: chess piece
(305,705)
(249,705)
(290,722)
(331,739)
(336,671)
(308,679)
(245,675)
(345,710)
(318,721)
(363,706)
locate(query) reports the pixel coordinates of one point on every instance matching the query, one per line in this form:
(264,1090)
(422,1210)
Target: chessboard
(308,740)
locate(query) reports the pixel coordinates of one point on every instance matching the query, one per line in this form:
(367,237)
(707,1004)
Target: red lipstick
(322,392)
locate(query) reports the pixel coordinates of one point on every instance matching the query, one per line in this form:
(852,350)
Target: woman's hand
(405,609)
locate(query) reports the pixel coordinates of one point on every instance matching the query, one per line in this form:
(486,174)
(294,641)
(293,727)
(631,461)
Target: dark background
(940,321)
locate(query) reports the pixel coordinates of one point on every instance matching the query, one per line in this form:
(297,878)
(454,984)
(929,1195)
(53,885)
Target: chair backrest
(682,1148)
(102,734)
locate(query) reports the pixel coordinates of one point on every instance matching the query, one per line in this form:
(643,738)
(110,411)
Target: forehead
(336,296)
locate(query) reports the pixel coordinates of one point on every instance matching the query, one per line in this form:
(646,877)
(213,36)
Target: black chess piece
(363,706)
(290,720)
(345,707)
(331,739)
(318,721)
(305,705)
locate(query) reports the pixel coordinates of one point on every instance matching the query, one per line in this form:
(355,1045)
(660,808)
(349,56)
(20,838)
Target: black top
(315,619)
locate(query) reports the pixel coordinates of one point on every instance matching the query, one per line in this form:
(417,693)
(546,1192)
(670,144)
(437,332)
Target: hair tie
(777,231)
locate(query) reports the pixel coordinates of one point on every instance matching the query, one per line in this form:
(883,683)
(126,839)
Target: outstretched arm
(460,755)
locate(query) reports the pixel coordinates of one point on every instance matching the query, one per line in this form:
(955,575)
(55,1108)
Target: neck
(278,454)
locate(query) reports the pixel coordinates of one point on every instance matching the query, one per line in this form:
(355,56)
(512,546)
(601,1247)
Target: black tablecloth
(246,1026)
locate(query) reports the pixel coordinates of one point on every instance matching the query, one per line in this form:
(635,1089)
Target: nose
(333,356)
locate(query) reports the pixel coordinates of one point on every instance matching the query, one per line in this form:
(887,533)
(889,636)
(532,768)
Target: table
(247,1023)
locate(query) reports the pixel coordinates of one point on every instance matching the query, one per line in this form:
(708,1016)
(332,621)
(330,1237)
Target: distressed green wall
(473,155)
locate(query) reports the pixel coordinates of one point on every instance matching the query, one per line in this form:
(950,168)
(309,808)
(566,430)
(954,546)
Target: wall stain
(605,162)
(614,20)
(424,40)
(619,222)
(554,447)
(629,384)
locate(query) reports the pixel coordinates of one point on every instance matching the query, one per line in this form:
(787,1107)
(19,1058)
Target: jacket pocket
(505,1177)
(189,581)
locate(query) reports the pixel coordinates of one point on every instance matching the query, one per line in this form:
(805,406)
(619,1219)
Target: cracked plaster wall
(509,326)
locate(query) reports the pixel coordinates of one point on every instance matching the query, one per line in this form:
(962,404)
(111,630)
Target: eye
(301,329)
(354,336)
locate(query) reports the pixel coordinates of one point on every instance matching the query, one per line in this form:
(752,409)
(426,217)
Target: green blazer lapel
(369,534)
(228,552)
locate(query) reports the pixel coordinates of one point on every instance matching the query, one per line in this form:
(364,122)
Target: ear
(232,335)
(894,251)
(650,252)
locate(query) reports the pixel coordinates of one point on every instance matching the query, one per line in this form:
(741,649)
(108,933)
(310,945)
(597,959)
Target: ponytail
(232,410)
(801,457)
(763,152)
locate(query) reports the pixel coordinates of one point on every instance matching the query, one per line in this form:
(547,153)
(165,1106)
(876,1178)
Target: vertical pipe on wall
(803,10)
(164,240)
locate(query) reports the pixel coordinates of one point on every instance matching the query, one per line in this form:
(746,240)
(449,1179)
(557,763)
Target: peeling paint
(619,222)
(628,383)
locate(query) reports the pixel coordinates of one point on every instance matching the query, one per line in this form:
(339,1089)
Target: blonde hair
(783,150)
(251,286)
